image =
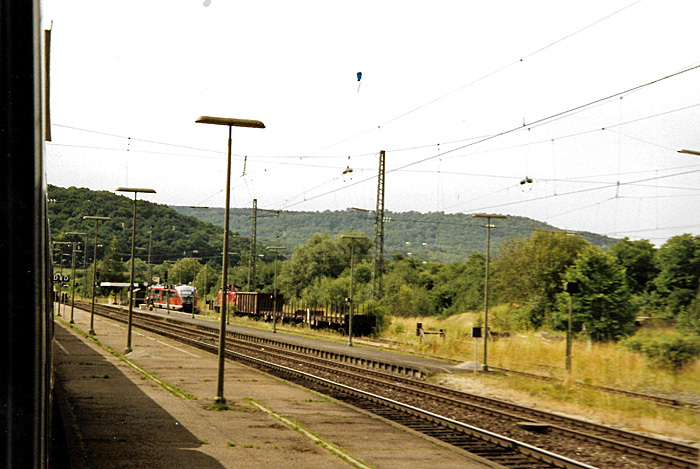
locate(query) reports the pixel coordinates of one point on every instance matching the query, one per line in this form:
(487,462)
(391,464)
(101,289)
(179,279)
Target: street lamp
(72,294)
(690,152)
(133,246)
(352,239)
(230,122)
(274,298)
(94,269)
(488,227)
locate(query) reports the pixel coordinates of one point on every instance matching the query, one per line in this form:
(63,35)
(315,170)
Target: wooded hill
(179,232)
(173,236)
(434,236)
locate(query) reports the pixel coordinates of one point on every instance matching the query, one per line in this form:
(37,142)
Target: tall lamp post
(352,239)
(94,270)
(72,294)
(133,248)
(230,122)
(274,298)
(488,227)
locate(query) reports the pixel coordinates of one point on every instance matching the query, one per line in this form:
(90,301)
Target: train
(262,306)
(178,297)
(230,298)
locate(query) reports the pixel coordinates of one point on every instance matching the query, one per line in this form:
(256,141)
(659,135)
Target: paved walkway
(116,416)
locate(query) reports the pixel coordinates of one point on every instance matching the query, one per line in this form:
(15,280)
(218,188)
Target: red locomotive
(230,299)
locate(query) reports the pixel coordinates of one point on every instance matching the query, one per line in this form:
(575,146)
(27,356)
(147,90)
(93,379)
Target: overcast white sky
(444,92)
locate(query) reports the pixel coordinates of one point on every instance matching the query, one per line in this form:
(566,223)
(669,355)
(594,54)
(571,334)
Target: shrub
(689,318)
(668,351)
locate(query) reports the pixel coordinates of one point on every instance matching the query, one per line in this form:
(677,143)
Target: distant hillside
(173,236)
(431,236)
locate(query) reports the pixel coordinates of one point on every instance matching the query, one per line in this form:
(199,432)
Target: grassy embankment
(605,364)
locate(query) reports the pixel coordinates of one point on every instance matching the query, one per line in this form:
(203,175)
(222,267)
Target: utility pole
(378,248)
(274,297)
(488,227)
(253,241)
(150,267)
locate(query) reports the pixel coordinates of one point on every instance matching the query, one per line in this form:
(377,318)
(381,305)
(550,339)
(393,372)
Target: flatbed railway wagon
(177,297)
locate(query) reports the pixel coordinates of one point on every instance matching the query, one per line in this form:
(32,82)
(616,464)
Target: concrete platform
(120,413)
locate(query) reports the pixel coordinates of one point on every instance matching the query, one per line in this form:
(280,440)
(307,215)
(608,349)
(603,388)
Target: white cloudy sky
(456,92)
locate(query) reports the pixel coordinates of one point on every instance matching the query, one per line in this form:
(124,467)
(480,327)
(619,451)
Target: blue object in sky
(359,76)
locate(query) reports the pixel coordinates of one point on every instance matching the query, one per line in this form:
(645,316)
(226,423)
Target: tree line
(619,281)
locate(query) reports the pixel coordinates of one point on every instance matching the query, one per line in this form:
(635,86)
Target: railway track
(598,445)
(658,400)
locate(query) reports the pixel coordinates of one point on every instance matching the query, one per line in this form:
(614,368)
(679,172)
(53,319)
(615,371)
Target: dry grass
(631,414)
(606,364)
(600,364)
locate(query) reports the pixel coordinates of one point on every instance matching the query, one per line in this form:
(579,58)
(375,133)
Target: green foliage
(530,271)
(678,261)
(172,235)
(112,269)
(382,315)
(460,287)
(434,236)
(603,305)
(689,317)
(637,257)
(319,257)
(184,271)
(326,290)
(666,351)
(206,280)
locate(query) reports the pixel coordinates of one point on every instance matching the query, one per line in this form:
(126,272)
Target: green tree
(321,256)
(406,288)
(207,279)
(184,271)
(637,257)
(603,305)
(459,287)
(111,268)
(530,271)
(689,317)
(678,261)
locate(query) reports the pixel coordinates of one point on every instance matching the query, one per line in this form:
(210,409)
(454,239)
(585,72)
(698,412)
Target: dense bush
(689,317)
(667,351)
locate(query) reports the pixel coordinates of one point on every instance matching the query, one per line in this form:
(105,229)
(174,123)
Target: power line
(494,72)
(540,121)
(617,184)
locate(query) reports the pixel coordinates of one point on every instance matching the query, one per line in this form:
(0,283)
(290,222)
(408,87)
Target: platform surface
(115,415)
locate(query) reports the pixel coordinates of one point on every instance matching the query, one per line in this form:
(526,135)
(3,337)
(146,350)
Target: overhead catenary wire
(482,78)
(505,132)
